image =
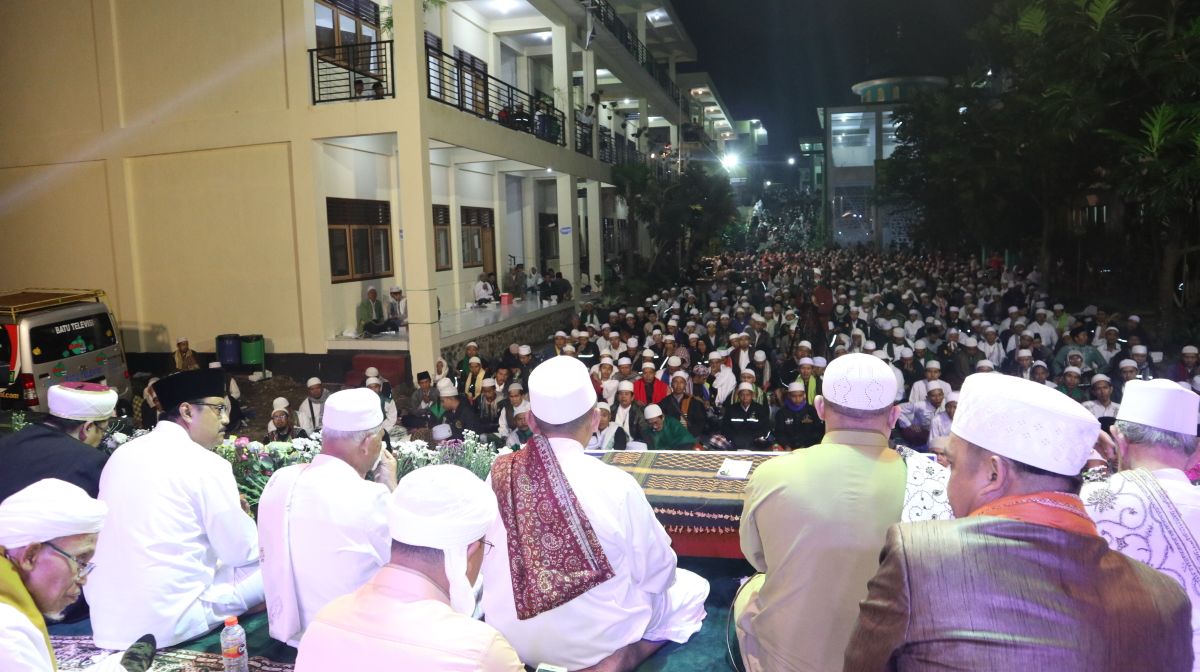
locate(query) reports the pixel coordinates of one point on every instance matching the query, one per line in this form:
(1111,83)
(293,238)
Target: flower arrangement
(471,453)
(254,462)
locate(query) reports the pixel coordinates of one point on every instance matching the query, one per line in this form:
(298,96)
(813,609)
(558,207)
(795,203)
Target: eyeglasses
(219,408)
(487,546)
(82,569)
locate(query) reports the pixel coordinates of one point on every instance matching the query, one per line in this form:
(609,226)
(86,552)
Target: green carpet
(705,652)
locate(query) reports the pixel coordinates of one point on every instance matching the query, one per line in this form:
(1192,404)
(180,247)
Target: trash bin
(253,350)
(229,350)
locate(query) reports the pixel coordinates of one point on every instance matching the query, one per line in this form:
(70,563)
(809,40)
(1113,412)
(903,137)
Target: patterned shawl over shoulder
(554,554)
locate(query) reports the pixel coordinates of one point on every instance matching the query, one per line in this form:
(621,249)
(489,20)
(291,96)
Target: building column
(561,58)
(589,87)
(499,226)
(456,269)
(567,229)
(414,191)
(529,223)
(595,231)
(643,124)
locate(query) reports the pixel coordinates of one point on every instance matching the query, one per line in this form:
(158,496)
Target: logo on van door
(77,346)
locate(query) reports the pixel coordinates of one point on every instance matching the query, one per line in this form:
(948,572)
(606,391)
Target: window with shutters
(441,238)
(360,239)
(352,25)
(474,220)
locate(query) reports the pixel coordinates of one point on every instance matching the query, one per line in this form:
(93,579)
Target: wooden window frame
(348,215)
(474,220)
(441,232)
(353,10)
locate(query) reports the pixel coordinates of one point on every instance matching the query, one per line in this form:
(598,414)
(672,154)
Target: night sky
(778,60)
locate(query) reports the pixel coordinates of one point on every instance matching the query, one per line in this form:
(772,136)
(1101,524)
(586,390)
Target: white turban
(47,510)
(444,506)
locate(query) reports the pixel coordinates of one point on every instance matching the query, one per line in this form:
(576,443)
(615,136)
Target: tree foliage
(1069,98)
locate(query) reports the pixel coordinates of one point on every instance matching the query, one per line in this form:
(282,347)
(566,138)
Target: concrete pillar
(567,231)
(529,222)
(595,243)
(456,269)
(643,124)
(413,185)
(499,208)
(589,87)
(561,58)
(523,82)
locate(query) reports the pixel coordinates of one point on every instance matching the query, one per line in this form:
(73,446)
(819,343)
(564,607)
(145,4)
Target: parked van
(51,336)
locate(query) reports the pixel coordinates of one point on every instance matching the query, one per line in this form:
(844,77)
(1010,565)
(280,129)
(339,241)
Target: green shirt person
(666,433)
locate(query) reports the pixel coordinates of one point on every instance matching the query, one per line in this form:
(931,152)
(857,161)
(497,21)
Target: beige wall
(214,246)
(54,241)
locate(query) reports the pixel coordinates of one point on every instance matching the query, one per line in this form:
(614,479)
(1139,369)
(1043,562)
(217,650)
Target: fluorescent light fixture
(791,160)
(504,6)
(545,35)
(768,183)
(603,72)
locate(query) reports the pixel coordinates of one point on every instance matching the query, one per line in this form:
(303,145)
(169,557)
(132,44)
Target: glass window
(324,20)
(852,136)
(339,254)
(368,58)
(441,244)
(347,29)
(888,142)
(381,252)
(71,338)
(472,247)
(360,242)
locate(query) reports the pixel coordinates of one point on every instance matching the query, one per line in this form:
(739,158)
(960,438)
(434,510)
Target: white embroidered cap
(653,411)
(859,381)
(1026,421)
(352,410)
(1161,404)
(560,390)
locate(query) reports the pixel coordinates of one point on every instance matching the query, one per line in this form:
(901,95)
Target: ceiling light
(729,160)
(545,35)
(505,6)
(791,160)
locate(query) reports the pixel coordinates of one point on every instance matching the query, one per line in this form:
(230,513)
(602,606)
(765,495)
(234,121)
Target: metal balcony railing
(604,13)
(583,138)
(352,72)
(458,84)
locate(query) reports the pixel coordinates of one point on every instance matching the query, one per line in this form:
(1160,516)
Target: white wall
(472,188)
(514,226)
(469,34)
(354,168)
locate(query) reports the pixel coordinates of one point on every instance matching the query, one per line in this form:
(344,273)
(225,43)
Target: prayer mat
(707,651)
(683,488)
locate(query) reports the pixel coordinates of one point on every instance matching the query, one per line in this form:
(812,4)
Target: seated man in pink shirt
(415,614)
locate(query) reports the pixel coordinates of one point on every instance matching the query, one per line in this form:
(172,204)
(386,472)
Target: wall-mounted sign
(566,230)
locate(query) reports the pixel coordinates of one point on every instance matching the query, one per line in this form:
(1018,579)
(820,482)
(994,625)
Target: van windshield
(6,351)
(70,338)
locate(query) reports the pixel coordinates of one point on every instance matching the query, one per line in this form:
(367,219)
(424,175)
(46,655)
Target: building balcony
(604,14)
(352,72)
(468,88)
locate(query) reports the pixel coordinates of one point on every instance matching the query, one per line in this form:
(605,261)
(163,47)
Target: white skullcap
(652,411)
(984,364)
(1127,364)
(860,382)
(446,388)
(1039,363)
(625,386)
(750,372)
(1134,318)
(560,334)
(606,359)
(352,410)
(624,361)
(371,372)
(472,344)
(1189,350)
(648,365)
(647,353)
(745,386)
(279,404)
(1161,404)
(760,356)
(632,342)
(1101,378)
(444,506)
(569,348)
(489,382)
(474,360)
(1138,350)
(819,362)
(1024,353)
(933,364)
(313,381)
(81,401)
(898,331)
(442,432)
(1058,306)
(795,387)
(1027,422)
(921,344)
(906,352)
(674,361)
(807,360)
(373,381)
(603,405)
(971,342)
(805,344)
(48,509)
(524,350)
(394,289)
(560,390)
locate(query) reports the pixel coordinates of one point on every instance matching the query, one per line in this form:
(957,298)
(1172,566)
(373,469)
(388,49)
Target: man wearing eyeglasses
(47,535)
(64,444)
(180,553)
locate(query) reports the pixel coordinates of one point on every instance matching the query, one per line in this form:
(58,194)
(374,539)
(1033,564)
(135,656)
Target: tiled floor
(457,327)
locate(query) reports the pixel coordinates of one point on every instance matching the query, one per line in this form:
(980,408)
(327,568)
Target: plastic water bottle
(233,647)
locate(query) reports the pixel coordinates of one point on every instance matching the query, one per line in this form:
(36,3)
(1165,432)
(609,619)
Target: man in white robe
(310,410)
(323,526)
(1150,511)
(180,552)
(609,589)
(933,378)
(47,536)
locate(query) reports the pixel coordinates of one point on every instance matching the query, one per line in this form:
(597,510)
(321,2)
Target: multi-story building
(253,167)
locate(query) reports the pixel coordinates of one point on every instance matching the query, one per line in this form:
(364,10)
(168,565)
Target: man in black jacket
(687,409)
(797,424)
(64,445)
(745,420)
